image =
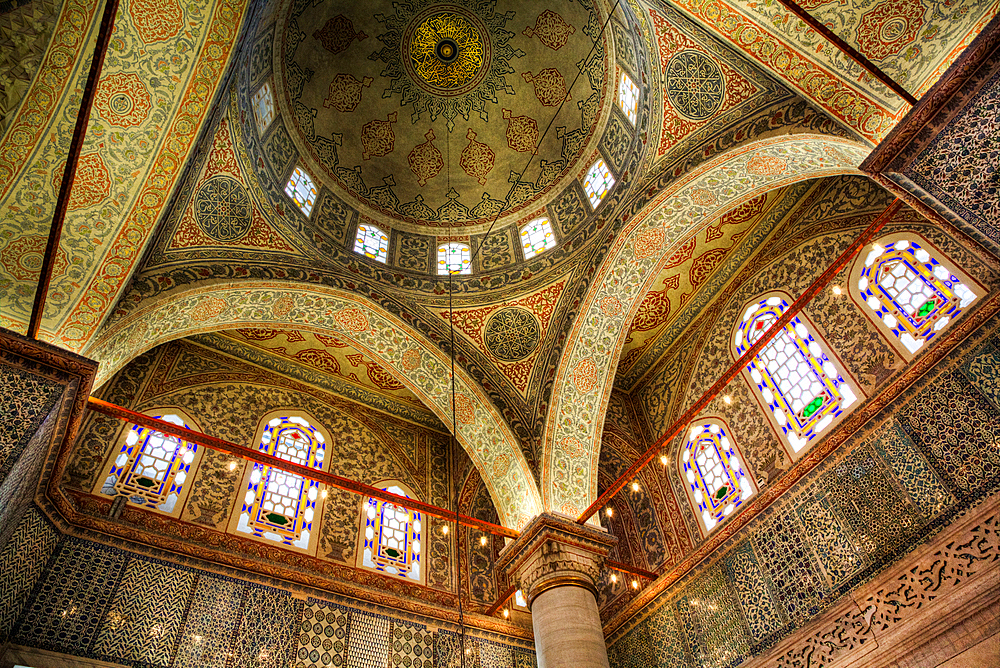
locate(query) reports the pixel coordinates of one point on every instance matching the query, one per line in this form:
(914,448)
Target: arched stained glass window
(301,189)
(598,182)
(152,468)
(801,386)
(392,537)
(263,107)
(536,237)
(628,97)
(454,258)
(909,291)
(278,505)
(372,242)
(717,480)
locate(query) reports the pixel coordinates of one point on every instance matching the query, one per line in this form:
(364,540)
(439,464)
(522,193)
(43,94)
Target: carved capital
(555,551)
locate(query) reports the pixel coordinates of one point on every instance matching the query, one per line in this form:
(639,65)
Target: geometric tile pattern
(21,564)
(412,646)
(980,368)
(210,623)
(69,604)
(322,636)
(26,400)
(146,614)
(369,640)
(925,489)
(759,609)
(712,619)
(834,544)
(264,638)
(797,583)
(493,655)
(665,640)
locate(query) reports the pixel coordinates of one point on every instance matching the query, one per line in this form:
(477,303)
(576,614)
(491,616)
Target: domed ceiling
(434,114)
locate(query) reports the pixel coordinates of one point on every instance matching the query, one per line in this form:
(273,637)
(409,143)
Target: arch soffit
(586,372)
(421,366)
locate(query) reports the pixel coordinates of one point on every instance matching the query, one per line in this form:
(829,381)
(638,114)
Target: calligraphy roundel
(512,334)
(695,85)
(222,209)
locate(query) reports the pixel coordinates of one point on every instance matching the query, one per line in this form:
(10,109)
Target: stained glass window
(152,467)
(628,97)
(911,292)
(519,599)
(714,472)
(536,237)
(372,242)
(278,505)
(598,182)
(801,386)
(301,189)
(263,107)
(392,537)
(454,258)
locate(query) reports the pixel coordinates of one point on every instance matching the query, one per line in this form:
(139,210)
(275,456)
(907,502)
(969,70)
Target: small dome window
(628,98)
(263,107)
(598,182)
(536,237)
(372,242)
(454,258)
(301,189)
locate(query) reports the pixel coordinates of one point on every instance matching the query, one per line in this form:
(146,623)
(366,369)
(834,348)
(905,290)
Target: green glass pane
(926,308)
(813,406)
(275,518)
(146,482)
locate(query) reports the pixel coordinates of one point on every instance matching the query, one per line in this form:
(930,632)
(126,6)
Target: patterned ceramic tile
(264,638)
(323,635)
(69,604)
(21,564)
(412,646)
(958,430)
(715,629)
(368,644)
(666,640)
(494,655)
(784,550)
(981,370)
(26,400)
(833,543)
(146,613)
(633,650)
(210,623)
(751,590)
(925,489)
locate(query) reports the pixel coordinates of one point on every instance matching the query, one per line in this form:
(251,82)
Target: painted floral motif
(156,20)
(477,158)
(337,34)
(585,376)
(92,184)
(377,138)
(354,320)
(345,92)
(550,29)
(889,27)
(522,132)
(123,100)
(425,160)
(22,258)
(766,165)
(550,86)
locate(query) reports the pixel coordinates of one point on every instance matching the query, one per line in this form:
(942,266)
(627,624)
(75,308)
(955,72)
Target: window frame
(239,506)
(120,443)
(262,128)
(315,188)
(364,253)
(466,271)
(696,507)
(632,117)
(953,313)
(614,181)
(551,233)
(848,388)
(365,520)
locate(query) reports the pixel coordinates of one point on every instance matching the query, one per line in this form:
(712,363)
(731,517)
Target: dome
(433,118)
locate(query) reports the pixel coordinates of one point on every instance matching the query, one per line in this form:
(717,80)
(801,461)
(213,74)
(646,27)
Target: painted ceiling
(390,127)
(174,233)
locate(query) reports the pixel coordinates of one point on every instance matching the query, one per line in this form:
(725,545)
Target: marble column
(557,564)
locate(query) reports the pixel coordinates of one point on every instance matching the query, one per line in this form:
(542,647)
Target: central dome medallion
(429,117)
(446,51)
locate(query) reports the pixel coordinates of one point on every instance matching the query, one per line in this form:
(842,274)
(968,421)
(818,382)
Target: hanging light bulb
(635,486)
(614,578)
(837,290)
(506,613)
(323,493)
(232,466)
(663,459)
(609,511)
(728,400)
(444,529)
(482,540)
(635,583)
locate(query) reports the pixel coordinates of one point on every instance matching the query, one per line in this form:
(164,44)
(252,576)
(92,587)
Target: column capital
(553,551)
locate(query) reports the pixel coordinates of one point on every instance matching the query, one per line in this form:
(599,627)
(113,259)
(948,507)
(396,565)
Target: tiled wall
(926,458)
(96,601)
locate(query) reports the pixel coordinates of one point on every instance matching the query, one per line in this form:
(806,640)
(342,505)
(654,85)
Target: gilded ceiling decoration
(412,120)
(158,80)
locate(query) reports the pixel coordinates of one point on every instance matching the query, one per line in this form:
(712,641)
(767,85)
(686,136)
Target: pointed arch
(797,378)
(585,375)
(414,361)
(910,290)
(390,537)
(717,480)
